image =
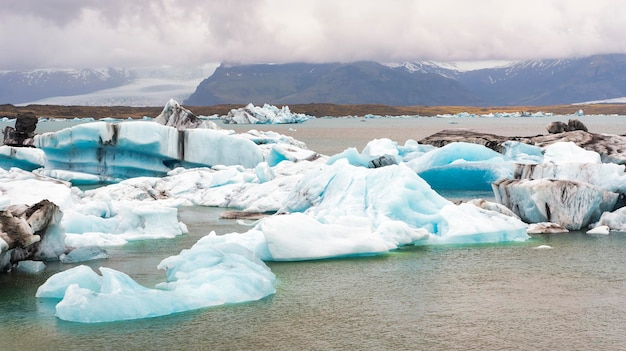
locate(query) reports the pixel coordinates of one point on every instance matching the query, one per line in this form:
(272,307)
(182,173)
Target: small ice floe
(83,254)
(543,247)
(31,266)
(601,229)
(545,228)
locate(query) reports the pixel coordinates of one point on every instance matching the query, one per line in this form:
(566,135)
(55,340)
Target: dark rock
(174,115)
(24,131)
(612,148)
(447,136)
(574,124)
(25,233)
(382,161)
(556,127)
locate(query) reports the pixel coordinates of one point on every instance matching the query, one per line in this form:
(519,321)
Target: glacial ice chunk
(141,148)
(26,158)
(267,114)
(462,165)
(570,204)
(199,277)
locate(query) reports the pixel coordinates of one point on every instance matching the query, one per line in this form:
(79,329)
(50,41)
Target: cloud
(121,33)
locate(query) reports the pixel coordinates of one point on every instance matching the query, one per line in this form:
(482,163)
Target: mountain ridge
(595,78)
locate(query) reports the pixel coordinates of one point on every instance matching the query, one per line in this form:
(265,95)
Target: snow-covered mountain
(101,87)
(550,82)
(596,78)
(22,86)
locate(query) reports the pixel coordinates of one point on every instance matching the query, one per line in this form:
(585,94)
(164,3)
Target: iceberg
(117,151)
(462,165)
(352,211)
(197,278)
(267,114)
(571,188)
(615,220)
(174,115)
(26,158)
(573,205)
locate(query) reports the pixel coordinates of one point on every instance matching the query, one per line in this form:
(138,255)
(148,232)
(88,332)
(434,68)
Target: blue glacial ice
(342,210)
(350,204)
(25,158)
(116,151)
(199,277)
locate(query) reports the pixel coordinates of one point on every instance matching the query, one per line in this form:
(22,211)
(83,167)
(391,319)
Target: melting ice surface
(325,207)
(196,278)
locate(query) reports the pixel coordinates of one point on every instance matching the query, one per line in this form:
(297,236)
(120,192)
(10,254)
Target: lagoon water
(510,296)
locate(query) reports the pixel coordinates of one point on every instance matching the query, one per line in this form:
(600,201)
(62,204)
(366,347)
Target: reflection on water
(482,297)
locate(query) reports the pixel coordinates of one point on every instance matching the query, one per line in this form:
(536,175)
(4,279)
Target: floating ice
(570,204)
(522,153)
(568,152)
(602,229)
(140,148)
(56,285)
(31,266)
(26,158)
(615,220)
(267,114)
(545,228)
(83,254)
(342,210)
(117,222)
(462,166)
(196,278)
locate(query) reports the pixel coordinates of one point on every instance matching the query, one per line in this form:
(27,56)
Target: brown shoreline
(317,109)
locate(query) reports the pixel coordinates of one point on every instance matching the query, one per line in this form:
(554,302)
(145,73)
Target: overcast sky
(138,33)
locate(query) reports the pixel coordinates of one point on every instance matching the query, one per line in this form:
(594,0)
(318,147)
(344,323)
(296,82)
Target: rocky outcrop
(174,115)
(448,136)
(24,131)
(571,125)
(30,233)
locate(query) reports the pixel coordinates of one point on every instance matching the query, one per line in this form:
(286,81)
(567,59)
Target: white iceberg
(267,114)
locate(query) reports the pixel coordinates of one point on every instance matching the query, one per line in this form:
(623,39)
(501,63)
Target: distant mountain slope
(19,87)
(535,82)
(549,82)
(342,83)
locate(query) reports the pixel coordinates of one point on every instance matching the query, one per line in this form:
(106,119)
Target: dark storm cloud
(96,33)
